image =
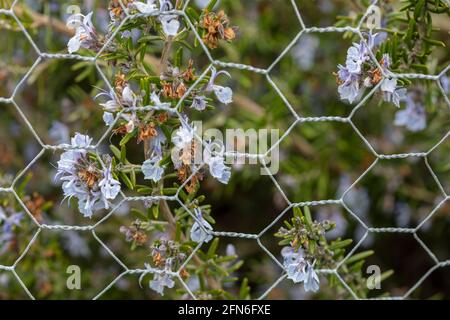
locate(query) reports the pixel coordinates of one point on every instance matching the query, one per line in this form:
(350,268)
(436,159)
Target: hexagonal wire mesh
(298,119)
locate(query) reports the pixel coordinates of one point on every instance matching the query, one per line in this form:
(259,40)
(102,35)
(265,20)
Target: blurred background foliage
(318,160)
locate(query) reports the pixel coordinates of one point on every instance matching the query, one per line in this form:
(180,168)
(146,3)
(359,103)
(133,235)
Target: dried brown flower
(120,83)
(34,204)
(217,28)
(146,132)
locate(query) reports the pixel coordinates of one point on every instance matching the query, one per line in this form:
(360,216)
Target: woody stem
(163,205)
(165,54)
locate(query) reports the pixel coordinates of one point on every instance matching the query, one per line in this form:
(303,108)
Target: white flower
(223,94)
(391,92)
(152,170)
(197,233)
(349,89)
(215,160)
(219,170)
(129,98)
(413,117)
(358,53)
(90,202)
(8,222)
(109,186)
(157,142)
(81,141)
(170,24)
(395,97)
(156,101)
(398,96)
(111,105)
(311,281)
(108,118)
(160,281)
(80,175)
(132,121)
(389,85)
(59,132)
(305,50)
(294,263)
(184,135)
(199,103)
(85,34)
(183,140)
(299,270)
(148,7)
(356,56)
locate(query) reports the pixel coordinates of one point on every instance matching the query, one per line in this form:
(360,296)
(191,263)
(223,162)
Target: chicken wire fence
(261,157)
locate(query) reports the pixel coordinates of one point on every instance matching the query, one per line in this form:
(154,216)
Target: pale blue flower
(311,281)
(391,92)
(294,264)
(81,141)
(109,186)
(414,117)
(389,85)
(59,132)
(85,34)
(356,56)
(154,97)
(129,98)
(111,105)
(197,233)
(108,118)
(213,156)
(160,280)
(349,89)
(170,24)
(75,244)
(223,94)
(219,170)
(152,170)
(304,51)
(199,103)
(148,7)
(157,142)
(75,161)
(7,224)
(183,139)
(299,270)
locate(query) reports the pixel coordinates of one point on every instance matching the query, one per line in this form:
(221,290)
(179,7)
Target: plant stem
(165,54)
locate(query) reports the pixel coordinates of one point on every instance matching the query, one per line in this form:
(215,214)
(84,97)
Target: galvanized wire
(298,119)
